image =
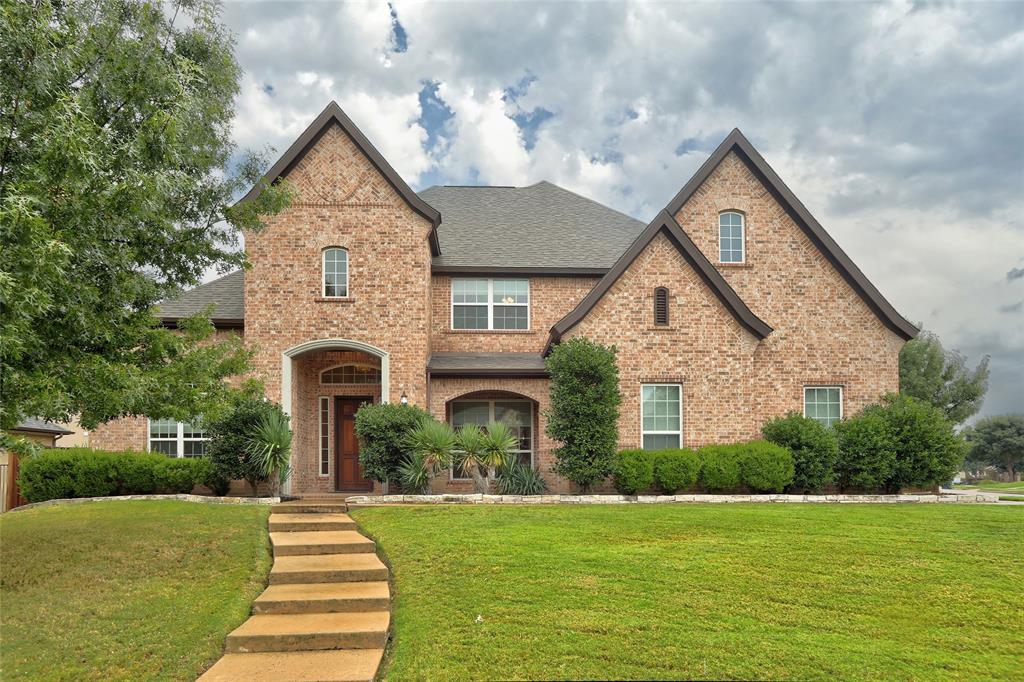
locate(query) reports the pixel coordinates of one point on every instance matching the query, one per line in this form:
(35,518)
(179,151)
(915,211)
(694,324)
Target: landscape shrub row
(758,466)
(81,472)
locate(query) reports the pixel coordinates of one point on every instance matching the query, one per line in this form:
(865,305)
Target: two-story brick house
(732,306)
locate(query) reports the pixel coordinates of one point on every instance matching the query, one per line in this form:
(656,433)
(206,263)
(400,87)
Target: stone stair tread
(337,665)
(318,537)
(325,562)
(289,624)
(311,591)
(331,517)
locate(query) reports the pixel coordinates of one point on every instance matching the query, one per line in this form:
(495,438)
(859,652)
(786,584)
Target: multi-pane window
(730,237)
(517,415)
(325,435)
(351,374)
(824,403)
(490,304)
(661,409)
(335,273)
(177,439)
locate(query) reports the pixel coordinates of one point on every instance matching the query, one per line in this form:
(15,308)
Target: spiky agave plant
(270,447)
(432,441)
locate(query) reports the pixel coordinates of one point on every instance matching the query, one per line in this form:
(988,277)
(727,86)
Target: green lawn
(995,486)
(126,590)
(704,591)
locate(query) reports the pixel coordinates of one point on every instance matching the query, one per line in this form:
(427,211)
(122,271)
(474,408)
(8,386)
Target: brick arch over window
(351,373)
(519,412)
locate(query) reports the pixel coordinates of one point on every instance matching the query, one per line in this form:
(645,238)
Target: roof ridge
(585,198)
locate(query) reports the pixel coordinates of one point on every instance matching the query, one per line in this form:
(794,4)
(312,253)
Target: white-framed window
(335,273)
(351,373)
(731,237)
(517,415)
(490,303)
(177,439)
(824,403)
(661,416)
(325,435)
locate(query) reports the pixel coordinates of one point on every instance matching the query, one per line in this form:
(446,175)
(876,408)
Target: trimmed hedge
(765,467)
(814,448)
(675,469)
(633,471)
(80,472)
(719,467)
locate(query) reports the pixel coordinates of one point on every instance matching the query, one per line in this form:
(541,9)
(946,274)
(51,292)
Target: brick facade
(823,331)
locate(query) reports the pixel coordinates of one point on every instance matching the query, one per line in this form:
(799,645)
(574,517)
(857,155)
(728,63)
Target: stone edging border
(202,499)
(373,500)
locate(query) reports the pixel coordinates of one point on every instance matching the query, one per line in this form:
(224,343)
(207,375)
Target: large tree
(998,441)
(117,174)
(929,372)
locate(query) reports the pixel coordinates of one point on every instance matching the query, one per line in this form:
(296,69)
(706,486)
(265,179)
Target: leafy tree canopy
(998,441)
(117,174)
(930,373)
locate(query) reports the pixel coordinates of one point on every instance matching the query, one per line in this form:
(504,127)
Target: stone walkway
(325,615)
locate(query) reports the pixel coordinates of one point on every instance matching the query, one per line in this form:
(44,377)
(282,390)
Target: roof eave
(218,323)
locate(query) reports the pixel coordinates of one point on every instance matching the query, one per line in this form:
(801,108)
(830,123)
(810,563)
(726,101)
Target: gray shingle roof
(487,364)
(226,294)
(540,226)
(41,426)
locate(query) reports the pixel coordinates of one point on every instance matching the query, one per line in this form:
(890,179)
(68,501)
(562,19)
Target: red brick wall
(551,298)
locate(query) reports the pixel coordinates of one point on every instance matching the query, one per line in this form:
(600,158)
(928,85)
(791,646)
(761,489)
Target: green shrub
(928,450)
(514,478)
(813,445)
(719,467)
(384,431)
(414,474)
(867,453)
(584,414)
(81,472)
(765,467)
(675,469)
(633,471)
(230,435)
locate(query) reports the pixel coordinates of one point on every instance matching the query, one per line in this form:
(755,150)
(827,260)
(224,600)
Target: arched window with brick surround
(335,273)
(731,237)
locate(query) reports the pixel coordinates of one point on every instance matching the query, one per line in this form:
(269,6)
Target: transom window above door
(351,374)
(335,273)
(490,304)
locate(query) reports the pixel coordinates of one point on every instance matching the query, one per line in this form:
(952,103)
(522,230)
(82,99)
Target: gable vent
(661,306)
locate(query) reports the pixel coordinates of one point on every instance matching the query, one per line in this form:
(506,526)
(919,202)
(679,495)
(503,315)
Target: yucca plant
(269,445)
(414,474)
(515,478)
(432,442)
(480,452)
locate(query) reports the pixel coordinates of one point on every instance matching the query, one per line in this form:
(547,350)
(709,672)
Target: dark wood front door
(348,473)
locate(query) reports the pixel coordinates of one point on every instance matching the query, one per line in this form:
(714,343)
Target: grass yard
(704,591)
(995,486)
(126,590)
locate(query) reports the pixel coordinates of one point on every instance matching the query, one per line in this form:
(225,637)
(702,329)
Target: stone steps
(320,542)
(327,568)
(301,522)
(338,665)
(323,598)
(309,631)
(326,613)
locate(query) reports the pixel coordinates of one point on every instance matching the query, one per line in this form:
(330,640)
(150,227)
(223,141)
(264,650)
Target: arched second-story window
(730,237)
(335,273)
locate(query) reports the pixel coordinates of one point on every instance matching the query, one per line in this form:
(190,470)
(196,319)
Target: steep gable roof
(331,115)
(665,224)
(542,228)
(736,142)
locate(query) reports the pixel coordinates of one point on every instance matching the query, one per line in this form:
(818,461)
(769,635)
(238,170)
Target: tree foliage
(231,436)
(117,174)
(384,433)
(998,441)
(584,412)
(930,373)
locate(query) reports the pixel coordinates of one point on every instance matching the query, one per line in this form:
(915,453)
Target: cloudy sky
(898,125)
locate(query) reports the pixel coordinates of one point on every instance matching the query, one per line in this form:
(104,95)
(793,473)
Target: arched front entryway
(323,383)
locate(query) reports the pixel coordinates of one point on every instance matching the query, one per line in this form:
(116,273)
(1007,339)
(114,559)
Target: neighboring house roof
(739,144)
(330,115)
(665,224)
(537,229)
(487,364)
(35,425)
(226,294)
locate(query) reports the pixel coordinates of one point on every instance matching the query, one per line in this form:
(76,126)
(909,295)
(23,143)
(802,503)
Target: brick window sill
(490,331)
(660,328)
(326,299)
(736,266)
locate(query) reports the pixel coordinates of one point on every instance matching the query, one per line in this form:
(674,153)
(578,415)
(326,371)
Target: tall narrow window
(335,269)
(661,306)
(325,435)
(730,237)
(490,304)
(661,409)
(824,403)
